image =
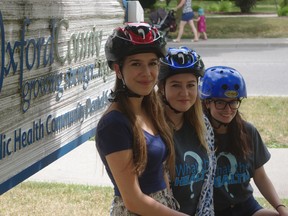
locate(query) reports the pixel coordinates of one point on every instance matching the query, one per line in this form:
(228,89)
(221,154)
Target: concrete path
(80,166)
(83,166)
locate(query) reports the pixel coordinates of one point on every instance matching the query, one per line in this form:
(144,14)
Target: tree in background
(147,3)
(283,8)
(245,5)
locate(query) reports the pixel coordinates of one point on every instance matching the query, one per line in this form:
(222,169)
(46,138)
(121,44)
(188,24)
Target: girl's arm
(180,5)
(121,166)
(267,189)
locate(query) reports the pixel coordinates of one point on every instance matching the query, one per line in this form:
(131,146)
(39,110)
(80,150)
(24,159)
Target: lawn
(243,27)
(223,25)
(53,199)
(266,113)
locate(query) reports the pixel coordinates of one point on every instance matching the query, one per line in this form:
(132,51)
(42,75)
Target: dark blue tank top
(114,133)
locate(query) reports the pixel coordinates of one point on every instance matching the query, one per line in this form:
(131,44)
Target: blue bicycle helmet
(134,38)
(180,60)
(222,82)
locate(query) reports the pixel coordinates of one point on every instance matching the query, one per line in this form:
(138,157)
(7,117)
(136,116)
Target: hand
(283,211)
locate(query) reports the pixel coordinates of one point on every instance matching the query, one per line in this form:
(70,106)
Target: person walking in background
(125,6)
(241,153)
(201,24)
(133,139)
(193,135)
(187,17)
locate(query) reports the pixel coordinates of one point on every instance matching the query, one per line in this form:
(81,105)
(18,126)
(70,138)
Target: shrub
(283,11)
(213,7)
(147,3)
(283,3)
(225,6)
(195,7)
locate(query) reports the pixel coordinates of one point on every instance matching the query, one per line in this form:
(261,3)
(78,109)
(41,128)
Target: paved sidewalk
(82,166)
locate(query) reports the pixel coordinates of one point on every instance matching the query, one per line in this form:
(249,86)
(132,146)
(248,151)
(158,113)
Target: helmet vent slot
(224,87)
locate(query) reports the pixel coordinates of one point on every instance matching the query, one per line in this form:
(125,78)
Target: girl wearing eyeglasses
(241,153)
(195,160)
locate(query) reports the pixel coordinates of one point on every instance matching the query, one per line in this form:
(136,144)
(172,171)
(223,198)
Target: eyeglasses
(221,104)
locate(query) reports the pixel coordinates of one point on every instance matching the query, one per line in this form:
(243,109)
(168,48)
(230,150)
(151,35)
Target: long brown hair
(194,116)
(240,141)
(153,108)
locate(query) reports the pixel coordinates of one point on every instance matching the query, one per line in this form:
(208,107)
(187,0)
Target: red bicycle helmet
(132,39)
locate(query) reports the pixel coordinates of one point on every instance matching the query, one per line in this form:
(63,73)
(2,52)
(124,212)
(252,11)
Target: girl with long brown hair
(132,137)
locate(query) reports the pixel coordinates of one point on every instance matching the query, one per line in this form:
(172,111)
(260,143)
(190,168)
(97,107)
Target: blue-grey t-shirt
(192,164)
(232,178)
(114,133)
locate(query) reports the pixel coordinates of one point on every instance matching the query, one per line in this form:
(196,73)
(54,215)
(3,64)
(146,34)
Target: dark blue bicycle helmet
(222,82)
(132,39)
(180,60)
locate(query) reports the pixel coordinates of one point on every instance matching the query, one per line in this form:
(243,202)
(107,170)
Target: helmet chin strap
(113,97)
(219,123)
(124,90)
(168,104)
(127,91)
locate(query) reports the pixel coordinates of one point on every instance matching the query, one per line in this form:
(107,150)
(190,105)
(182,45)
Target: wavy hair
(240,141)
(153,107)
(194,116)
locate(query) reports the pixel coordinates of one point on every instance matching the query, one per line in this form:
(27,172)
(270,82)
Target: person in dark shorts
(187,17)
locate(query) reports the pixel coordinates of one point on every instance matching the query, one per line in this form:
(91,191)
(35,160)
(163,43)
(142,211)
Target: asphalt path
(264,63)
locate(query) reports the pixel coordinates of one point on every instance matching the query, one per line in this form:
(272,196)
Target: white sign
(54,80)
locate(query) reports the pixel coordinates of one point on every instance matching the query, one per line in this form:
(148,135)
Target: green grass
(53,199)
(222,25)
(243,27)
(267,114)
(267,205)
